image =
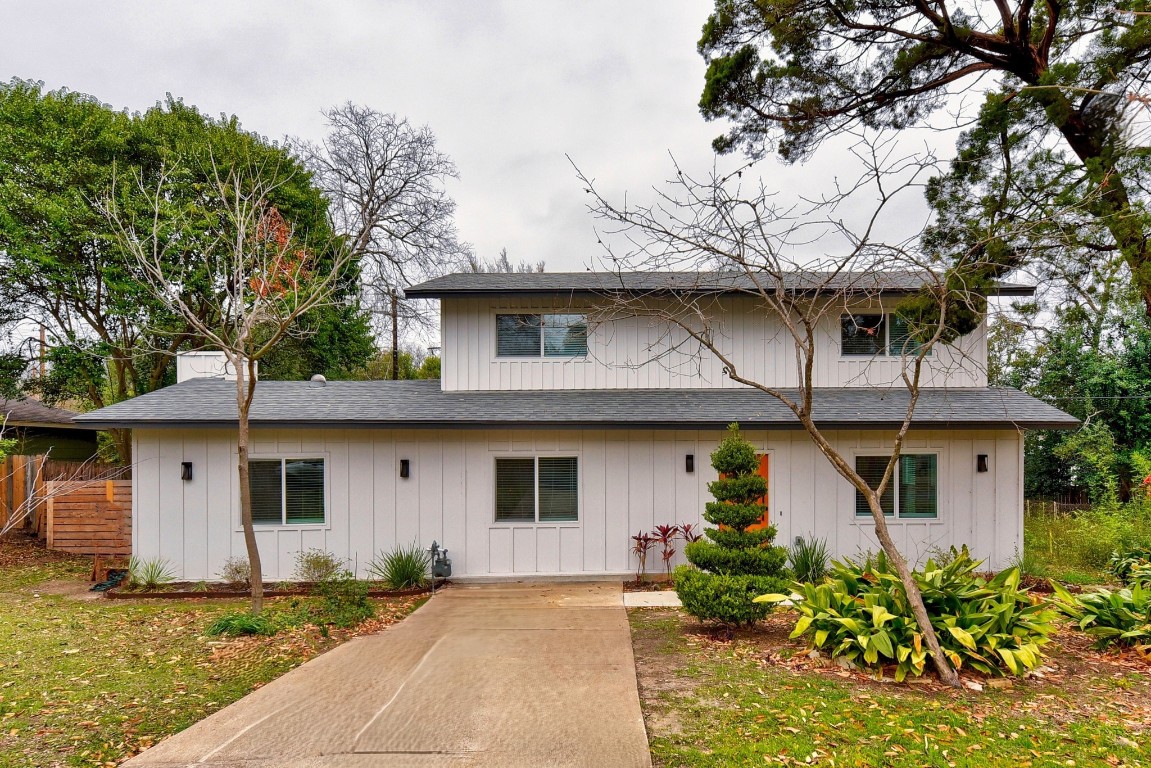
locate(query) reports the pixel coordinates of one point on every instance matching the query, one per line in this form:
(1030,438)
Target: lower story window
(287,491)
(540,489)
(912,493)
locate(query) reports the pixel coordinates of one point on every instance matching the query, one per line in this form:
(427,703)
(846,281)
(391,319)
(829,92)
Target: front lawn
(92,682)
(755,698)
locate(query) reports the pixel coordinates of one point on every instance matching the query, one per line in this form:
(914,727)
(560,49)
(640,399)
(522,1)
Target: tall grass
(1076,547)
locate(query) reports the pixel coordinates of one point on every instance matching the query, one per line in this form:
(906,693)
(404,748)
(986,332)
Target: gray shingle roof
(475,284)
(212,402)
(33,413)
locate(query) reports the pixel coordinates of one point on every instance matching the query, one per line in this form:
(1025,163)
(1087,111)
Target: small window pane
(559,489)
(862,335)
(267,498)
(518,335)
(515,490)
(902,342)
(565,335)
(871,469)
(918,486)
(305,486)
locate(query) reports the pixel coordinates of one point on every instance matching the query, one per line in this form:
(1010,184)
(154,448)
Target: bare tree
(385,181)
(743,242)
(262,279)
(502,263)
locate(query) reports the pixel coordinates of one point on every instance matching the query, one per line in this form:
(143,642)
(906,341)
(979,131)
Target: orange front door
(763,472)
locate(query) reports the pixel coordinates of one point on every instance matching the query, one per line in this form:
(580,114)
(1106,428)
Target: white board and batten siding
(643,353)
(629,481)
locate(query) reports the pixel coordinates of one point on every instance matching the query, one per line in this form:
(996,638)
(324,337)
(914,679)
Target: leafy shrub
(235,572)
(734,563)
(234,624)
(1122,564)
(150,574)
(728,599)
(861,613)
(1122,617)
(404,567)
(317,565)
(343,600)
(809,558)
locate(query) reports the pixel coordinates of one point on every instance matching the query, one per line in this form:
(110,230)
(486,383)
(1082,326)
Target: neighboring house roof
(422,404)
(483,283)
(33,413)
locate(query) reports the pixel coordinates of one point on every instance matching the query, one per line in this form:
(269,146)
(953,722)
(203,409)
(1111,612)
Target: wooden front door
(763,471)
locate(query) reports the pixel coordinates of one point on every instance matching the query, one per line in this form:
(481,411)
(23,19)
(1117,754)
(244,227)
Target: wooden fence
(1052,508)
(21,478)
(90,517)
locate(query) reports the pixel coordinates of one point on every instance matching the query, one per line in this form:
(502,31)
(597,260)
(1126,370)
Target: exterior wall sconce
(185,470)
(405,468)
(689,464)
(981,462)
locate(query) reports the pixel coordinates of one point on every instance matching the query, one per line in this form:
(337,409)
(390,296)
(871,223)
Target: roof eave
(577,424)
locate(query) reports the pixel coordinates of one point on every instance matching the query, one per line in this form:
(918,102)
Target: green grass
(756,701)
(1074,548)
(90,682)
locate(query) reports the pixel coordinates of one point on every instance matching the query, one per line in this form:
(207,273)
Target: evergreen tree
(733,565)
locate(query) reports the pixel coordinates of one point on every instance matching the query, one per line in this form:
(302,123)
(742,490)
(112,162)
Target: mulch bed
(651,584)
(188,590)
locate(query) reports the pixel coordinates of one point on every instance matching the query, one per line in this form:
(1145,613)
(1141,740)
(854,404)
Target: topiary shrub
(732,565)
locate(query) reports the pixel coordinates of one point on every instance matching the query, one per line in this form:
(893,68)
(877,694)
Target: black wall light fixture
(405,468)
(689,464)
(981,462)
(185,470)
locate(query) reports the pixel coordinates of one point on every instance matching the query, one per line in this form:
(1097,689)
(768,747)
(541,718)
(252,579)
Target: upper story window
(287,491)
(541,335)
(886,335)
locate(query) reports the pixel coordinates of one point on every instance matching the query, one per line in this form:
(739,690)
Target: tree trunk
(942,664)
(245,387)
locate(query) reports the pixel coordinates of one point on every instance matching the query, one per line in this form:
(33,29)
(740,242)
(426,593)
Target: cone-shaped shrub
(733,565)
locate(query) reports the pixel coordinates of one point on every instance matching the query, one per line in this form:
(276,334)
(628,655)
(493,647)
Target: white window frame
(541,357)
(536,522)
(885,353)
(283,525)
(897,517)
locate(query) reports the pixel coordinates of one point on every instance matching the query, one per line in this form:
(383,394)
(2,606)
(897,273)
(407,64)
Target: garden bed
(186,590)
(752,696)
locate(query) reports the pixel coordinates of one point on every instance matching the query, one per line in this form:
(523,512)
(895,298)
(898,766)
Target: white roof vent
(319,381)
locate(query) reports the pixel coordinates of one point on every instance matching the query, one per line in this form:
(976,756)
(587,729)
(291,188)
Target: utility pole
(395,336)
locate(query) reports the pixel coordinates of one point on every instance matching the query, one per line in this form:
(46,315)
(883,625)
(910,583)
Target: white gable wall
(639,352)
(630,480)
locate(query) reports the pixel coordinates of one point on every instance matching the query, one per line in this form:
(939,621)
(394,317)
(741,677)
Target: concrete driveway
(484,675)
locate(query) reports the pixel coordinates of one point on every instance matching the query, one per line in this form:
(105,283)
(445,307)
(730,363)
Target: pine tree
(733,565)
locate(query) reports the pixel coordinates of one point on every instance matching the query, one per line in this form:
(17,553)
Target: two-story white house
(552,437)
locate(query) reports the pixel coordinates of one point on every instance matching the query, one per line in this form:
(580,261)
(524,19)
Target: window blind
(304,486)
(518,335)
(559,489)
(871,469)
(863,335)
(565,335)
(515,490)
(918,486)
(266,485)
(902,341)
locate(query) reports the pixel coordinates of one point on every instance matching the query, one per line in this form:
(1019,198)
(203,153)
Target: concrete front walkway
(485,675)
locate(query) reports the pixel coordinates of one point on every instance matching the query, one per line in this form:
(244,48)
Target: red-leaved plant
(666,536)
(643,543)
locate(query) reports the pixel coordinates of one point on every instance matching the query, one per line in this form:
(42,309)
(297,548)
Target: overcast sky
(509,88)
